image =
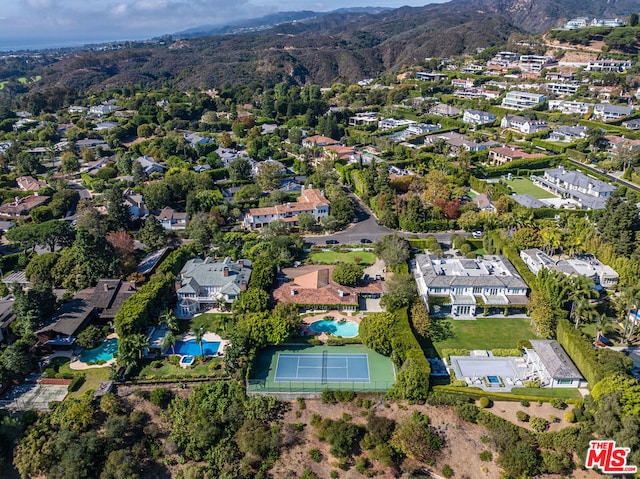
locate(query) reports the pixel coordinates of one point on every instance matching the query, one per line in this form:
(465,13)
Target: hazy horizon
(42,24)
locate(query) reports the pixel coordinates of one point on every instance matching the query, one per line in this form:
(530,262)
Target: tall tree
(119,215)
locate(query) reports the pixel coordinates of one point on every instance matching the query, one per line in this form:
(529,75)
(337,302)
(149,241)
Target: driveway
(367,227)
(79,187)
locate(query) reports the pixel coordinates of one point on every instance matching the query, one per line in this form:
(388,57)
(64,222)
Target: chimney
(241,263)
(105,286)
(178,285)
(341,293)
(288,205)
(293,292)
(243,286)
(225,271)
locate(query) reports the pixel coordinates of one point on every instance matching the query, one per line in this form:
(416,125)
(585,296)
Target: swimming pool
(493,379)
(104,352)
(191,348)
(343,329)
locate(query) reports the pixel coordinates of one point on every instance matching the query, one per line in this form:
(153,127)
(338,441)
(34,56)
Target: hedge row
(549,146)
(477,393)
(447,352)
(145,306)
(412,380)
(174,263)
(516,165)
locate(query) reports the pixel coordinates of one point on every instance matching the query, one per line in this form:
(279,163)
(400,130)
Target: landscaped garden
(168,368)
(212,322)
(487,333)
(364,258)
(524,186)
(59,368)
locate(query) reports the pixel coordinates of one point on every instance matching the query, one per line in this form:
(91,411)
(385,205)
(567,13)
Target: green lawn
(524,186)
(203,368)
(487,333)
(365,258)
(212,322)
(93,377)
(562,393)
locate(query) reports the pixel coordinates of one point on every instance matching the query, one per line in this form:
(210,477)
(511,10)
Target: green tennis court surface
(301,368)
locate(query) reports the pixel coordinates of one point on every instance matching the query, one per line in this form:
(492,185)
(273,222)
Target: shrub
(362,464)
(524,403)
(557,403)
(569,416)
(137,417)
(447,471)
(506,352)
(315,419)
(524,343)
(302,405)
(157,364)
(486,456)
(522,416)
(539,424)
(334,474)
(533,384)
(484,402)
(76,383)
(459,383)
(160,397)
(315,455)
(308,474)
(446,352)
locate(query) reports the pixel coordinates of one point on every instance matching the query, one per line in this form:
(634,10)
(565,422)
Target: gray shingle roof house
(203,284)
(528,201)
(588,192)
(554,364)
(492,279)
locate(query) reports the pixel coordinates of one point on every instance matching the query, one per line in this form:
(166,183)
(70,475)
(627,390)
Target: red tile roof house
(21,207)
(29,183)
(311,288)
(505,154)
(311,201)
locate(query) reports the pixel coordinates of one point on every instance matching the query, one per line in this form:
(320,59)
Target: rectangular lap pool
(191,348)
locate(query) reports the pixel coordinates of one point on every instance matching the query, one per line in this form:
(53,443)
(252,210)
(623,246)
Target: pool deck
(335,314)
(210,337)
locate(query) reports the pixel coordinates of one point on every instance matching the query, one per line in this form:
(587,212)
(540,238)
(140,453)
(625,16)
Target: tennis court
(323,367)
(312,369)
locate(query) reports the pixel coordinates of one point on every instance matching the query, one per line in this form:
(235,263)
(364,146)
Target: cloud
(120,9)
(151,5)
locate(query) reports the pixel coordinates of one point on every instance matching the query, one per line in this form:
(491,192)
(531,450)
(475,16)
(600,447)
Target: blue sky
(57,22)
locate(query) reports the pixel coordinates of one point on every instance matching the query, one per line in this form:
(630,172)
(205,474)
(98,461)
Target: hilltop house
(588,192)
(365,118)
(582,265)
(608,112)
(618,66)
(478,117)
(570,107)
(204,284)
(521,100)
(456,285)
(523,124)
(311,201)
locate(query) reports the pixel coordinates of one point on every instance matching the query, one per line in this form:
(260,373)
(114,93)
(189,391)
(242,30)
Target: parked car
(365,241)
(477,234)
(332,241)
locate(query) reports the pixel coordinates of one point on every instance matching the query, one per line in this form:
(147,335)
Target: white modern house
(570,107)
(522,100)
(582,265)
(587,192)
(205,284)
(618,66)
(311,201)
(478,117)
(365,118)
(459,285)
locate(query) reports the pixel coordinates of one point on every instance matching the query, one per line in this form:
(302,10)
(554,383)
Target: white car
(477,234)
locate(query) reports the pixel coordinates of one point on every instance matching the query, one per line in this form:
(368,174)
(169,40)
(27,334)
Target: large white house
(523,124)
(205,284)
(582,265)
(587,192)
(478,117)
(521,100)
(311,201)
(463,283)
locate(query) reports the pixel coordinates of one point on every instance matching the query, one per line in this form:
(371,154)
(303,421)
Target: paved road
(612,178)
(367,227)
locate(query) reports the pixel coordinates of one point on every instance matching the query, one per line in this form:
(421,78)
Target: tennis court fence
(264,386)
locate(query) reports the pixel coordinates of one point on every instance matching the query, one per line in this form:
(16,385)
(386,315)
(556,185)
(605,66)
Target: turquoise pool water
(104,352)
(344,329)
(191,348)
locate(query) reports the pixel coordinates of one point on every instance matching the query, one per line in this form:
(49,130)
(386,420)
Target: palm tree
(139,342)
(199,333)
(169,320)
(581,310)
(169,341)
(628,301)
(602,321)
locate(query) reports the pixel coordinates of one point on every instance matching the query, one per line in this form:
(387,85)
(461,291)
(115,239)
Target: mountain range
(350,45)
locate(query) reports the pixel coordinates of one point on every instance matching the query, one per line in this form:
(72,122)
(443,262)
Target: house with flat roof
(605,65)
(442,109)
(206,283)
(552,365)
(391,123)
(570,107)
(464,284)
(587,192)
(431,76)
(310,201)
(581,265)
(365,118)
(522,100)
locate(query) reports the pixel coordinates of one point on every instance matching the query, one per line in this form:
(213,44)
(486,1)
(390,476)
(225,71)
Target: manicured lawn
(524,186)
(562,393)
(487,333)
(212,322)
(93,377)
(209,367)
(333,257)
